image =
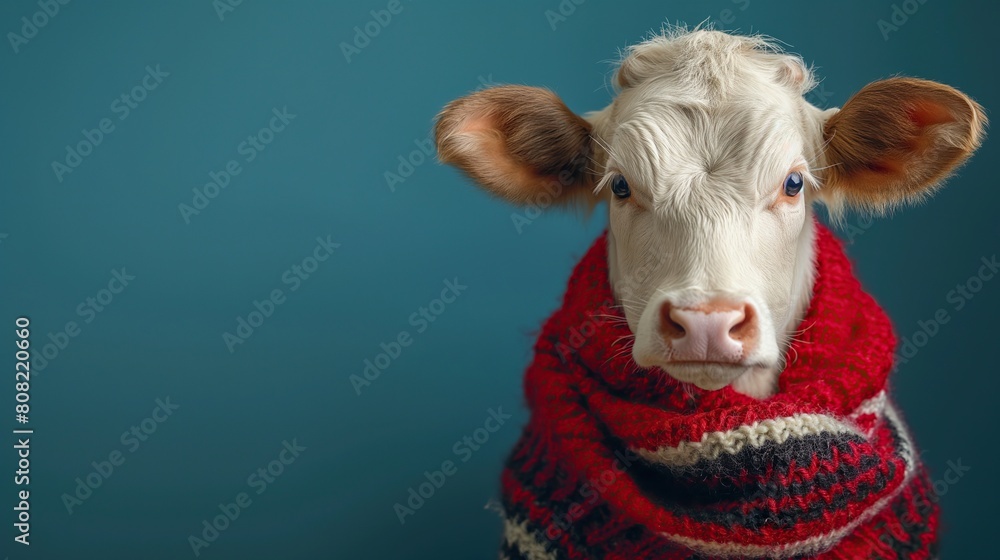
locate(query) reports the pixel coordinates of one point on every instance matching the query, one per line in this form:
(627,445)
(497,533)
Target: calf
(709,160)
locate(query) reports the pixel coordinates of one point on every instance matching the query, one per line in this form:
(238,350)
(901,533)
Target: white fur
(705,131)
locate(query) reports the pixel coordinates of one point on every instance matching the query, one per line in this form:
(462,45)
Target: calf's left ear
(896,140)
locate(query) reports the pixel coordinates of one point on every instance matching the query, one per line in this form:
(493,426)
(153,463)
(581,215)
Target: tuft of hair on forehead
(713,61)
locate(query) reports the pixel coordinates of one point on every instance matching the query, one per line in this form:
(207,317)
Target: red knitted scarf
(618,462)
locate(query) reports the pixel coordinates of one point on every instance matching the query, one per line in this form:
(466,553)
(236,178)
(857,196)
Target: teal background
(324,176)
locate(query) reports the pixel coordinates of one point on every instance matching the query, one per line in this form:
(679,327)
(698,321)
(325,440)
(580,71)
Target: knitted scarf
(618,462)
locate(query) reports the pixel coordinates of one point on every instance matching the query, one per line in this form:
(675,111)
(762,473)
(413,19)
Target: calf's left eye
(793,183)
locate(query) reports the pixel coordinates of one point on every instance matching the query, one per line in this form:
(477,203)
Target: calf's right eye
(619,186)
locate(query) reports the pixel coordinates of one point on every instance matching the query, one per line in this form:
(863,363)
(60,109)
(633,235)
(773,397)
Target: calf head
(709,159)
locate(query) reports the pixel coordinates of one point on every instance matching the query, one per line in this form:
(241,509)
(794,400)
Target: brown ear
(898,139)
(517,142)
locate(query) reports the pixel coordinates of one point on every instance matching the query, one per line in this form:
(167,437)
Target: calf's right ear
(517,142)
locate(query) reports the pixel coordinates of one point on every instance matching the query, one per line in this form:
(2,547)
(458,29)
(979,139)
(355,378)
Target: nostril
(744,325)
(670,323)
(675,326)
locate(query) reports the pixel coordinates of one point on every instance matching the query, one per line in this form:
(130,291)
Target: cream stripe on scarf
(517,534)
(909,453)
(713,444)
(777,430)
(874,405)
(819,543)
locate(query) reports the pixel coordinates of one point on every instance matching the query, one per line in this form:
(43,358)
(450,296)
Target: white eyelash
(609,176)
(808,179)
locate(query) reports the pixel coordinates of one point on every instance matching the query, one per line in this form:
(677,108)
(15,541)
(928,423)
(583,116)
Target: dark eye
(793,183)
(619,186)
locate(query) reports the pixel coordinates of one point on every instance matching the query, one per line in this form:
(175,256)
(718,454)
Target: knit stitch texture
(618,462)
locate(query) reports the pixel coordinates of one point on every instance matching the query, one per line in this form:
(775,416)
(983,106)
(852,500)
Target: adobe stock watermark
(727,16)
(959,298)
(87,310)
(424,150)
(579,334)
(408,163)
(551,191)
(31,25)
(463,449)
(898,17)
(818,95)
(590,492)
(292,277)
(952,476)
(122,107)
(249,148)
(365,33)
(607,311)
(857,228)
(224,7)
(131,440)
(420,320)
(258,481)
(562,12)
